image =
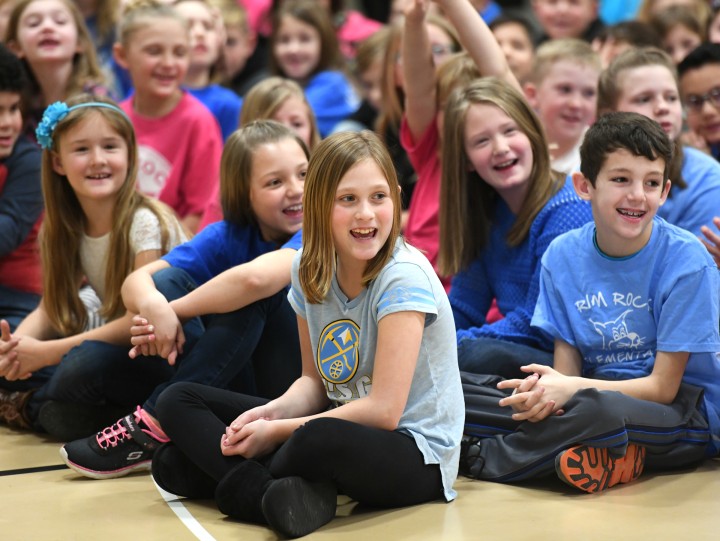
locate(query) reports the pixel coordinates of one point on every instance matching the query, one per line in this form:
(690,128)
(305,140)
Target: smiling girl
(377,412)
(279,99)
(96,228)
(305,49)
(179,140)
(500,207)
(216,307)
(51,39)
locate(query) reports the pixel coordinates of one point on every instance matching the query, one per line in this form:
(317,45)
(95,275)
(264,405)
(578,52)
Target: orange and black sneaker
(594,469)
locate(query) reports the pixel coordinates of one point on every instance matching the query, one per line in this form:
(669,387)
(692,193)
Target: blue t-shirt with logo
(618,312)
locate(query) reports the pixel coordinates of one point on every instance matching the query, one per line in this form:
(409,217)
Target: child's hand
(8,355)
(255,439)
(31,355)
(157,332)
(143,338)
(416,11)
(260,412)
(527,400)
(695,140)
(712,240)
(557,389)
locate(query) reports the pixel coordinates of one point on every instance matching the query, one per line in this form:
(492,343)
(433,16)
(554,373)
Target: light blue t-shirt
(696,205)
(619,311)
(344,337)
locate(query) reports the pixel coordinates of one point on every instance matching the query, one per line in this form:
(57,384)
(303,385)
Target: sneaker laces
(118,432)
(113,434)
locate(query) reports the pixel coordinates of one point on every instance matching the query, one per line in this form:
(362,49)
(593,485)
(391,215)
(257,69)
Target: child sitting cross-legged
(635,378)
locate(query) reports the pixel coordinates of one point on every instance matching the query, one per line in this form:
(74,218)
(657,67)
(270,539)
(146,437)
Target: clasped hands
(20,356)
(251,435)
(165,338)
(543,393)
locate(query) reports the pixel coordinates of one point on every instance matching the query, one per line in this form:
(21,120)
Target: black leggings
(375,467)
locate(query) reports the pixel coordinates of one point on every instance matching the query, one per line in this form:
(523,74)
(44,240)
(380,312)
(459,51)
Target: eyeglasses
(695,102)
(441,50)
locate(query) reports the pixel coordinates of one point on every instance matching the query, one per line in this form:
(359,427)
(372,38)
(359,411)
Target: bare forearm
(116,332)
(38,325)
(478,40)
(238,287)
(138,290)
(646,388)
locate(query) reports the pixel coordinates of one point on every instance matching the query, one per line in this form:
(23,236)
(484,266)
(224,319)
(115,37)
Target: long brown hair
(467,202)
(64,224)
(329,163)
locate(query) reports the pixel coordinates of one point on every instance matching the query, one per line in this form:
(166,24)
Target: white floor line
(184,515)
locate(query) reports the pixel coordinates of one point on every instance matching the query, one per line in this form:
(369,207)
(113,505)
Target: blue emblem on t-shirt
(337,353)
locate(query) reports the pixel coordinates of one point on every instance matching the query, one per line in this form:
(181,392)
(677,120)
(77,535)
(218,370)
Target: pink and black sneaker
(125,447)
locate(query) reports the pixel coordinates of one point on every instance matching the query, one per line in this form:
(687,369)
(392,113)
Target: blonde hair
(467,202)
(330,161)
(236,166)
(139,14)
(393,96)
(266,97)
(610,89)
(393,101)
(64,225)
(372,49)
(85,67)
(700,7)
(108,14)
(679,15)
(558,50)
(457,71)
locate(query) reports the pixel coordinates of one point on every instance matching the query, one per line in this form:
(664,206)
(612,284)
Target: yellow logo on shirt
(337,353)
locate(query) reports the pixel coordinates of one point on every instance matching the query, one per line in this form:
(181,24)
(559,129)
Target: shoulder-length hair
(236,167)
(610,88)
(330,161)
(64,225)
(266,97)
(467,202)
(85,67)
(313,14)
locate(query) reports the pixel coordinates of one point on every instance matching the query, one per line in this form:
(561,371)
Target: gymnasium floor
(39,500)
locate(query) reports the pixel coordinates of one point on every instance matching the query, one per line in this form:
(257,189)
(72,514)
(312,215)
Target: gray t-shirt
(344,336)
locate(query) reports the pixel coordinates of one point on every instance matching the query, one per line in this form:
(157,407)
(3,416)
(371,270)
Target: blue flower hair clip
(52,115)
(59,110)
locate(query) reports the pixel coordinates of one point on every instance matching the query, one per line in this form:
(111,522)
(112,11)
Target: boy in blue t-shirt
(632,305)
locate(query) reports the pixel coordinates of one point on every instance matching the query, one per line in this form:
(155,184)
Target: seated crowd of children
(245,242)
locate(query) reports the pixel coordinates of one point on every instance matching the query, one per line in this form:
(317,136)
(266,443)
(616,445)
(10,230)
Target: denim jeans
(498,357)
(15,305)
(254,349)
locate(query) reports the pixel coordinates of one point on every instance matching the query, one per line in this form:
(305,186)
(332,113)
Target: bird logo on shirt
(337,353)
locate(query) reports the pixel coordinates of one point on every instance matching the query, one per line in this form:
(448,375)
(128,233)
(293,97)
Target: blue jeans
(498,357)
(254,349)
(15,305)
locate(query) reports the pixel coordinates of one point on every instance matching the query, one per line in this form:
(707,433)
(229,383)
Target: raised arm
(478,40)
(418,71)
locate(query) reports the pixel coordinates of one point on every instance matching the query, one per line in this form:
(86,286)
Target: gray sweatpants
(675,435)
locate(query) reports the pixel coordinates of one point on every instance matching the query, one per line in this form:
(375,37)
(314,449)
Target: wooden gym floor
(42,500)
